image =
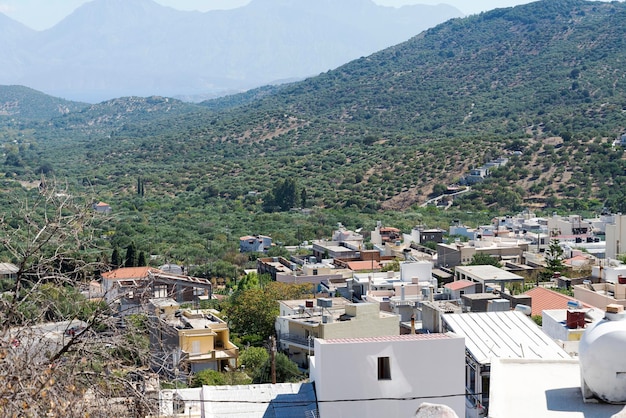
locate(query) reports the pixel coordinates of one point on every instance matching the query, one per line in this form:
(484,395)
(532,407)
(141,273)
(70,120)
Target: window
(384,368)
(160,291)
(315,272)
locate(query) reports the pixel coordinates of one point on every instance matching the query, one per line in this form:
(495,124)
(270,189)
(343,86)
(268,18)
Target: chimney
(412,324)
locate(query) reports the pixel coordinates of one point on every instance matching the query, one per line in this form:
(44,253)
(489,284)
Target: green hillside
(543,84)
(23,103)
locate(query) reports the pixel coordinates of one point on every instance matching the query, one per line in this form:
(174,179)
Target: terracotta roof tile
(543,299)
(459,284)
(363,265)
(126,273)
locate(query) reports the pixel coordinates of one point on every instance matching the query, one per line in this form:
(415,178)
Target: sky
(43,14)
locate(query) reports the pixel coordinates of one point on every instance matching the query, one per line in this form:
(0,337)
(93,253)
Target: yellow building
(188,340)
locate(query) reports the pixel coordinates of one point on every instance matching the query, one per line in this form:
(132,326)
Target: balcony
(297,339)
(218,354)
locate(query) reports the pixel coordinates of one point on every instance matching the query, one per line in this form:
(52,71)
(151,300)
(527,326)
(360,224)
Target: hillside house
(330,318)
(255,244)
(186,340)
(388,376)
(8,271)
(102,207)
(459,288)
(334,249)
(487,275)
(384,234)
(131,287)
(569,225)
(458,253)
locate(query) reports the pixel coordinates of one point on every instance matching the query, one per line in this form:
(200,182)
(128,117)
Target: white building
(570,225)
(492,335)
(616,237)
(487,275)
(609,272)
(524,388)
(592,386)
(388,376)
(250,401)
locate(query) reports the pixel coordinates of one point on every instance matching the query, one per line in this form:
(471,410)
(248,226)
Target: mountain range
(542,84)
(112,48)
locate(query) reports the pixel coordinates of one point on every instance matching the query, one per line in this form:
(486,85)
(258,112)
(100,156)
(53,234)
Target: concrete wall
(295,279)
(422,270)
(616,237)
(423,369)
(596,299)
(367,321)
(552,325)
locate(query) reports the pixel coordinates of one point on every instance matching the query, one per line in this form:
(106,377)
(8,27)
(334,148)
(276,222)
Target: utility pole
(273,358)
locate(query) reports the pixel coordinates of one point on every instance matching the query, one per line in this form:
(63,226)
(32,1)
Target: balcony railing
(297,339)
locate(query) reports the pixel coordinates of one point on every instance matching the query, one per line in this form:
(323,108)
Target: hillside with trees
(542,84)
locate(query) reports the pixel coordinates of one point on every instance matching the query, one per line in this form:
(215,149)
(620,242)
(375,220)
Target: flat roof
(508,334)
(389,338)
(440,273)
(363,265)
(261,400)
(488,273)
(333,246)
(480,296)
(523,388)
(296,303)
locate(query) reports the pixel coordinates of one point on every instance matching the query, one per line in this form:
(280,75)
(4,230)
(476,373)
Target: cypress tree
(141,261)
(131,256)
(115,258)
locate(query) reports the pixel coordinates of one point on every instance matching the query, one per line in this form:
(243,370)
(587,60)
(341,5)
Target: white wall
(422,270)
(616,237)
(424,368)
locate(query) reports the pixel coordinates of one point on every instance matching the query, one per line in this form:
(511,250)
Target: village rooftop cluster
(404,320)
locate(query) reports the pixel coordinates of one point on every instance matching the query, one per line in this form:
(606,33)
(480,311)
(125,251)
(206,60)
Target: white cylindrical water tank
(525,309)
(602,360)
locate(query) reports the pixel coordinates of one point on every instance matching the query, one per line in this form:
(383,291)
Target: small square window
(384,368)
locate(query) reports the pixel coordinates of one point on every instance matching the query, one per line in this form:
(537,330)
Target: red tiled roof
(102,204)
(363,265)
(543,299)
(570,261)
(459,284)
(126,273)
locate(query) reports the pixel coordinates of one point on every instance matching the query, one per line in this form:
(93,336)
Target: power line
(306,402)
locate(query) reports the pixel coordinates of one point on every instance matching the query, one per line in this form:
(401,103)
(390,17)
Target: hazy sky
(42,14)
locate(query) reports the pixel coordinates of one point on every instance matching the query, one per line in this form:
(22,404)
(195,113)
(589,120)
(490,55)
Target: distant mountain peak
(109,48)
